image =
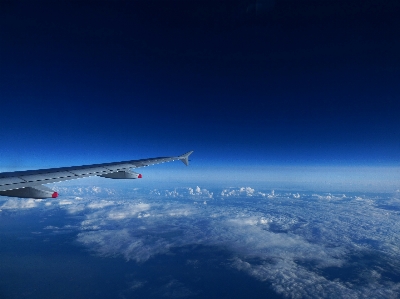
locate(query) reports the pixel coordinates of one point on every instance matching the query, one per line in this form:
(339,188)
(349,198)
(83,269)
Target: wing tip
(185,158)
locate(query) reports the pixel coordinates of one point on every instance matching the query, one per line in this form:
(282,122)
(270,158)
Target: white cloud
(193,193)
(127,211)
(122,242)
(245,192)
(100,204)
(293,238)
(80,191)
(285,235)
(198,192)
(65,202)
(15,204)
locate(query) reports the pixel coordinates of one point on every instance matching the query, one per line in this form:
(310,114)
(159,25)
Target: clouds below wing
(297,242)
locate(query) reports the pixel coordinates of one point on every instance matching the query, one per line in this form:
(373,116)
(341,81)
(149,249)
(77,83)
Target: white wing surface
(29,183)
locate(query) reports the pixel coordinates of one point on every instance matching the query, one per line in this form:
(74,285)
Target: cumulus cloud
(196,193)
(200,192)
(245,192)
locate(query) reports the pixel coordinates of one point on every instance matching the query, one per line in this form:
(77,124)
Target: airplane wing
(30,183)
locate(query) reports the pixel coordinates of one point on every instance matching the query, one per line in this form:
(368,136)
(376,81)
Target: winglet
(185,158)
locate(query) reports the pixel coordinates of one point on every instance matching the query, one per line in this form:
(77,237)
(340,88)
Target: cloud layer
(305,245)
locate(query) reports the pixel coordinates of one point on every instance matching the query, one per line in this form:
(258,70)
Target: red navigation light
(139,176)
(54,195)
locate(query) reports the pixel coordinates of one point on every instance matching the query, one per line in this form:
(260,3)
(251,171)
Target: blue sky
(293,84)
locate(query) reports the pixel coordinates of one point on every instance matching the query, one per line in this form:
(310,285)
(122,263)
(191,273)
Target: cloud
(245,192)
(100,204)
(86,191)
(200,192)
(127,211)
(295,281)
(123,242)
(65,202)
(284,236)
(294,241)
(196,193)
(16,204)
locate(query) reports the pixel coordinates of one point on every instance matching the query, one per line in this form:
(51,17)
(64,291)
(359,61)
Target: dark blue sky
(245,82)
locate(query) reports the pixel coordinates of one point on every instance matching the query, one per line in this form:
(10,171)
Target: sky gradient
(243,83)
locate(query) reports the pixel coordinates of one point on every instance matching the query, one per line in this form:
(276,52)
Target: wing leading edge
(29,183)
